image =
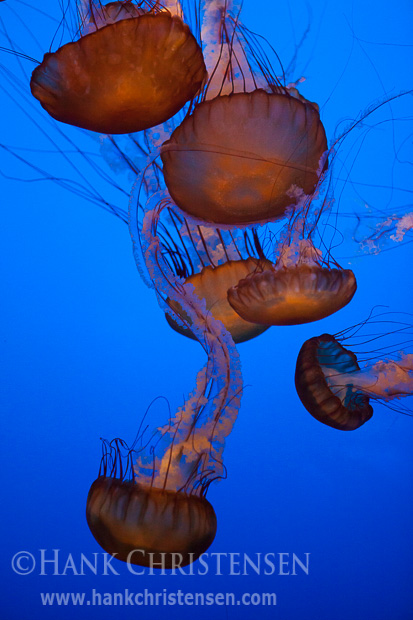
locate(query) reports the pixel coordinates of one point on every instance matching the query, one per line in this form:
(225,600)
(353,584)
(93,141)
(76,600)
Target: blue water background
(85,349)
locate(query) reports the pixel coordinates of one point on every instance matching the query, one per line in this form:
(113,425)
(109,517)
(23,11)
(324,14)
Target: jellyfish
(161,513)
(246,156)
(131,69)
(144,524)
(298,288)
(337,392)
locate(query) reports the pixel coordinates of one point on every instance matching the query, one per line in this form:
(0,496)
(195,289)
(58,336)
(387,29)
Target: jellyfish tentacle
(204,421)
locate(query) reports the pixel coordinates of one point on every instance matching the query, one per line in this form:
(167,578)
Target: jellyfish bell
(149,526)
(141,513)
(133,71)
(319,358)
(212,285)
(245,158)
(292,296)
(292,293)
(336,391)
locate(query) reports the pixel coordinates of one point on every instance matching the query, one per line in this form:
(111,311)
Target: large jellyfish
(161,514)
(246,156)
(131,68)
(336,391)
(142,523)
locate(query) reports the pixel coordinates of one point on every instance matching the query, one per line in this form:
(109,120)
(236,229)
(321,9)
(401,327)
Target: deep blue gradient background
(85,349)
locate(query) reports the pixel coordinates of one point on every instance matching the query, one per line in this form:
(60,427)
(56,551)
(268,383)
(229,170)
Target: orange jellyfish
(336,391)
(133,69)
(253,147)
(143,524)
(297,289)
(160,516)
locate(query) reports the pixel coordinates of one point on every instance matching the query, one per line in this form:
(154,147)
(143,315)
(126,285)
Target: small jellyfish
(297,289)
(252,147)
(130,69)
(336,391)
